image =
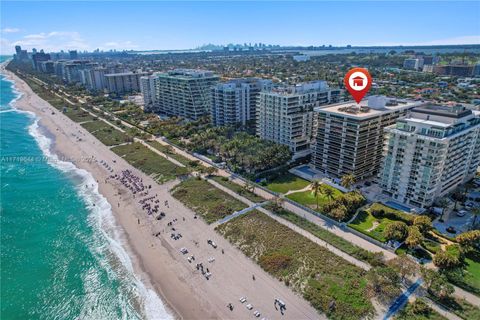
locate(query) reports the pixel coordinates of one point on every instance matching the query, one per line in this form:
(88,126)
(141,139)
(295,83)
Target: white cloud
(10,30)
(449,41)
(52,41)
(119,45)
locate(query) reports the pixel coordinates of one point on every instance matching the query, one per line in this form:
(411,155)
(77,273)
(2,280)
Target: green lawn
(206,200)
(473,269)
(106,133)
(238,189)
(327,236)
(287,182)
(308,199)
(309,269)
(469,278)
(149,162)
(365,221)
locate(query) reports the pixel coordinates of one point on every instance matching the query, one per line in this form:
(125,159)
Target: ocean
(62,257)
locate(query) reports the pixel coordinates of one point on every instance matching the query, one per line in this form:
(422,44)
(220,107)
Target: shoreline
(57,155)
(155,256)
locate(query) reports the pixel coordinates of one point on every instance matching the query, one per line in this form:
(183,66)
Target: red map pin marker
(358,81)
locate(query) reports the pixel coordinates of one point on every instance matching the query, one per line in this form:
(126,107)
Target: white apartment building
(184,92)
(430,153)
(93,78)
(349,136)
(125,82)
(147,87)
(234,102)
(285,114)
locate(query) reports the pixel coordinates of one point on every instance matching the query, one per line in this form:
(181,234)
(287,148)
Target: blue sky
(181,25)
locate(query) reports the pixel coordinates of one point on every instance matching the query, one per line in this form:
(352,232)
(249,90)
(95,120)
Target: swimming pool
(306,169)
(397,206)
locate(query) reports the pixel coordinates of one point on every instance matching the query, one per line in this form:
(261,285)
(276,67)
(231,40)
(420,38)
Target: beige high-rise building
(349,136)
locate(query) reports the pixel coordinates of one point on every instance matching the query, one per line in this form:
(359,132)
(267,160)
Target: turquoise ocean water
(61,256)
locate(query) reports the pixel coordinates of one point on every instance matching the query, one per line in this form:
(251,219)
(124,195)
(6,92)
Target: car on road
(451,230)
(461,213)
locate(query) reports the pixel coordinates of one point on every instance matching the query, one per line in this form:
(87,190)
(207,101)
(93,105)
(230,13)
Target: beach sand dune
(157,259)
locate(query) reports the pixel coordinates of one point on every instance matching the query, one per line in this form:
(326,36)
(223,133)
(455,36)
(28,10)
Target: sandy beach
(156,256)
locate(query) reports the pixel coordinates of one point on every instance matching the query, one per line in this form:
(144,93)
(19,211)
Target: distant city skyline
(123,25)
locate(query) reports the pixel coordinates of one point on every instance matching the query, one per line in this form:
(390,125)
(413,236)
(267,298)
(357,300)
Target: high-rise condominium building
(148,85)
(125,82)
(430,153)
(234,102)
(349,136)
(184,92)
(285,114)
(93,78)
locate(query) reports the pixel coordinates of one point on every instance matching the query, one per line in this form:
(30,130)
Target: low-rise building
(430,153)
(349,136)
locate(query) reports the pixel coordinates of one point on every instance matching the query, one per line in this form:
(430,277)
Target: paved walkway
(238,213)
(400,302)
(295,228)
(159,152)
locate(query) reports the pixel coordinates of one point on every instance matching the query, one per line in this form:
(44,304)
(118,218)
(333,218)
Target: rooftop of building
(125,74)
(371,107)
(457,111)
(300,88)
(188,73)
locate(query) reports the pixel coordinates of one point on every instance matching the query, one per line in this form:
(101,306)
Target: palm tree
(443,203)
(328,193)
(476,213)
(458,195)
(317,190)
(348,180)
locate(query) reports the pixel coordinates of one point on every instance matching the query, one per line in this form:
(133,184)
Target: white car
(243,299)
(249,306)
(256,313)
(462,213)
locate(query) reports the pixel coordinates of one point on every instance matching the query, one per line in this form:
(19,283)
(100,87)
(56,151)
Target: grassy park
(372,226)
(149,162)
(308,199)
(313,271)
(211,203)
